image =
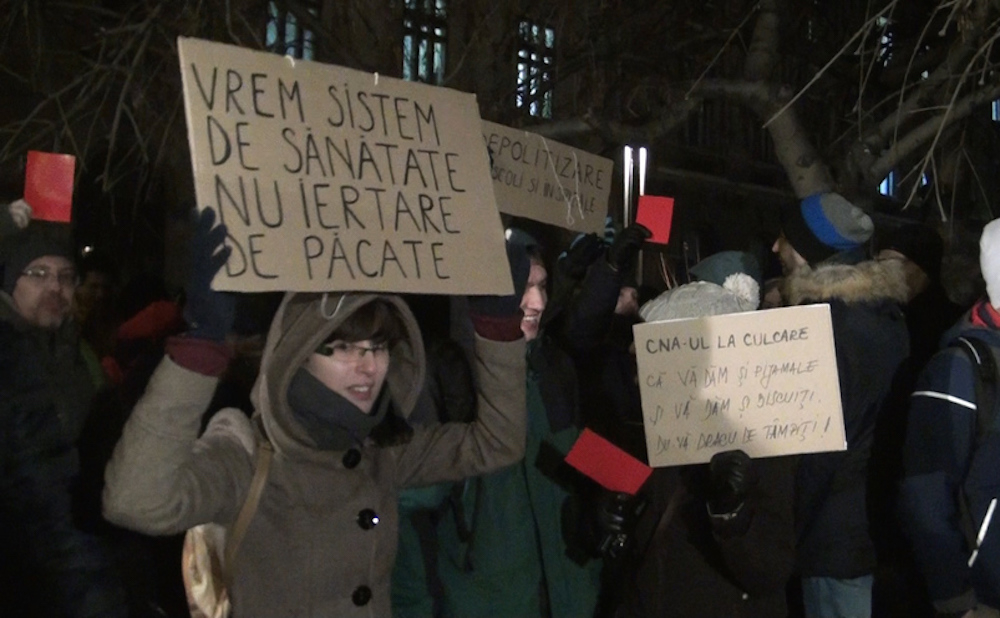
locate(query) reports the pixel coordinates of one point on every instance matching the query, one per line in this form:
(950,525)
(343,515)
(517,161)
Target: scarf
(334,423)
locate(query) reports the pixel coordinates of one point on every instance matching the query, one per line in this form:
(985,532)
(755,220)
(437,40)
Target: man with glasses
(50,566)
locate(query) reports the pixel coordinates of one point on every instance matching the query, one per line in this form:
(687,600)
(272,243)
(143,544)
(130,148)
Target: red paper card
(656,213)
(607,464)
(48,185)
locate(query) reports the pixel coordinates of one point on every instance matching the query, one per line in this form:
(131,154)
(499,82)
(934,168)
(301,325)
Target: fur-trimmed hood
(868,281)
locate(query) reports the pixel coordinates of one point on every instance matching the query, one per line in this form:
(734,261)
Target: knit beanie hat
(920,244)
(989,260)
(701,298)
(718,266)
(24,247)
(825,224)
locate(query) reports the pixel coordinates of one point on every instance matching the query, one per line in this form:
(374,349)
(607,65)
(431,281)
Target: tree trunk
(807,173)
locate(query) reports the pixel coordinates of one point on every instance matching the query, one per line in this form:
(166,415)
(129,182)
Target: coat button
(367,519)
(361,595)
(352,458)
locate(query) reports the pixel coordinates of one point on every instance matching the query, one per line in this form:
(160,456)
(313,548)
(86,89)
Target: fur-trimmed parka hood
(868,281)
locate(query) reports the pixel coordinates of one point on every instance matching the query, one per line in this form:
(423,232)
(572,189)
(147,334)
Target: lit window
(995,110)
(285,36)
(884,41)
(535,66)
(813,9)
(888,186)
(425,33)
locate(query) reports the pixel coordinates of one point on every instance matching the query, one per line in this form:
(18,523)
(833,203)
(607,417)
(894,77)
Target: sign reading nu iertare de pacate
(330,179)
(764,382)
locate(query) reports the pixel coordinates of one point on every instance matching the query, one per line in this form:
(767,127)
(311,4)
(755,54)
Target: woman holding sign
(717,539)
(340,373)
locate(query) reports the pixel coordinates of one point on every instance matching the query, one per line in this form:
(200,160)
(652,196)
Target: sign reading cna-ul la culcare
(764,382)
(333,179)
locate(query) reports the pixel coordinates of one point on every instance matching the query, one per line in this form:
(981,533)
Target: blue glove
(209,314)
(520,265)
(582,252)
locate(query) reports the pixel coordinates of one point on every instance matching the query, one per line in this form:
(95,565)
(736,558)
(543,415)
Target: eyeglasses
(41,274)
(353,353)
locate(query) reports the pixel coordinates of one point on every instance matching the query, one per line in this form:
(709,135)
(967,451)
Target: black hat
(920,244)
(37,240)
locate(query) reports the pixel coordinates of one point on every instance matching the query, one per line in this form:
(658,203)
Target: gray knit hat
(700,299)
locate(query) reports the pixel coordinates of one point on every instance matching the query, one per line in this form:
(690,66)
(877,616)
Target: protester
(929,311)
(951,458)
(448,394)
(918,248)
(338,370)
(93,303)
(713,540)
(822,252)
(51,567)
(514,554)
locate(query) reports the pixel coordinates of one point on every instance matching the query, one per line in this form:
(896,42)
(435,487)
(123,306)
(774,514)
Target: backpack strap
(984,372)
(985,382)
(262,462)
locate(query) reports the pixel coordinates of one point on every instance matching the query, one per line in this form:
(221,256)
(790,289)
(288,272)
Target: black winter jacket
(51,567)
(871,340)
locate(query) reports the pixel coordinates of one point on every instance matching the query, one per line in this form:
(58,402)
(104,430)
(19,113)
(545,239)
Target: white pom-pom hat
(740,292)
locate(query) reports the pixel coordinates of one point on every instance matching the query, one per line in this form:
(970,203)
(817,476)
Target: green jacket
(515,515)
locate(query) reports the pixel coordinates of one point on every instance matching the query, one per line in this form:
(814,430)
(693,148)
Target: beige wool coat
(310,550)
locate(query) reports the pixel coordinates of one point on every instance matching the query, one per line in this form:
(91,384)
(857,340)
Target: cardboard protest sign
(763,381)
(333,179)
(610,466)
(657,214)
(543,180)
(48,185)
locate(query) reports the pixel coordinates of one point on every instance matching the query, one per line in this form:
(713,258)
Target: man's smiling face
(534,299)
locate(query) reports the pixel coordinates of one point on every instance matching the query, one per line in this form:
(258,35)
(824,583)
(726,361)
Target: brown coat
(309,551)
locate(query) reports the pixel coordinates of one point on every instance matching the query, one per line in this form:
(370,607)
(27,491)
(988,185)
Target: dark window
(285,35)
(425,33)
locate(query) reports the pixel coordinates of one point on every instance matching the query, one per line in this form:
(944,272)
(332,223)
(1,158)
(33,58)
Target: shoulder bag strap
(261,464)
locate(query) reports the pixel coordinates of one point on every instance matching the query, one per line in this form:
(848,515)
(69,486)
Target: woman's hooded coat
(323,539)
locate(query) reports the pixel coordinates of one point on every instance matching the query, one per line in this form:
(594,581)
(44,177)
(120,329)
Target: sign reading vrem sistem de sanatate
(764,382)
(333,179)
(544,180)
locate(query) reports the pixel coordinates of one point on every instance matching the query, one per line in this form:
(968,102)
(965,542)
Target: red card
(48,185)
(656,213)
(607,464)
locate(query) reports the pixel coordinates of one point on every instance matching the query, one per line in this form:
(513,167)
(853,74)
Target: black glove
(520,265)
(731,477)
(625,249)
(209,314)
(582,252)
(617,513)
